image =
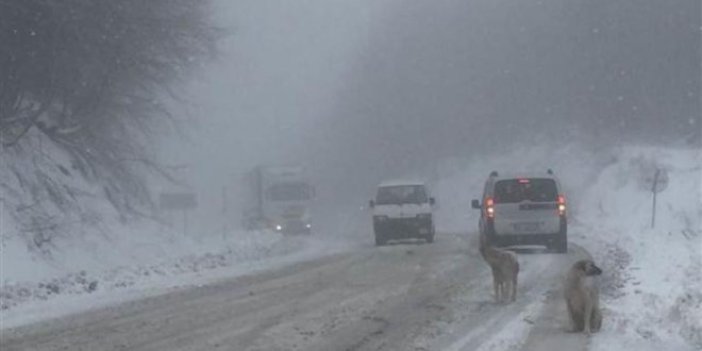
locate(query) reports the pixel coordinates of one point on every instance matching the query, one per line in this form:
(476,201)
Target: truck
(279,198)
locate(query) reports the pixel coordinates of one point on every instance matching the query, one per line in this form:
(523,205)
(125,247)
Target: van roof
(400,182)
(516,175)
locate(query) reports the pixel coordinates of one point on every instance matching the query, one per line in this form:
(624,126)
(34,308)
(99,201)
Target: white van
(524,209)
(402,210)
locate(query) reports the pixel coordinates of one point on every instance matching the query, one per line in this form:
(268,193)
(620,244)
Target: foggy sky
(361,90)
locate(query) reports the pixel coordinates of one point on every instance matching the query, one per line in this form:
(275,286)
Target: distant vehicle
(524,210)
(279,199)
(402,210)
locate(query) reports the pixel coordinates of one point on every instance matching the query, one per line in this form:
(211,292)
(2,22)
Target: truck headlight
(308,226)
(278,227)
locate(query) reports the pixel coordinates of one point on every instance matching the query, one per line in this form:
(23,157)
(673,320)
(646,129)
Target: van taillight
(490,207)
(561,205)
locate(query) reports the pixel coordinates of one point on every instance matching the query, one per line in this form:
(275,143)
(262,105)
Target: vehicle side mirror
(371,203)
(475,204)
(432,201)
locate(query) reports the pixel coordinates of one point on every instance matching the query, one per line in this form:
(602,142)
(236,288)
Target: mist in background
(364,90)
(458,78)
(262,102)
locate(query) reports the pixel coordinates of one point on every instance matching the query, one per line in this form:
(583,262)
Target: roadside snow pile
(165,259)
(208,261)
(653,289)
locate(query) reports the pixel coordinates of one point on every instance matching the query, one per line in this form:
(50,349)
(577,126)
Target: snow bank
(652,290)
(75,292)
(656,298)
(112,262)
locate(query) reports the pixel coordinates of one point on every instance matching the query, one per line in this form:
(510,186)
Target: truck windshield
(401,194)
(289,192)
(518,190)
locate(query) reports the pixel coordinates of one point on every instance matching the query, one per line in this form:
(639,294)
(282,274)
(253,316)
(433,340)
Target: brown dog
(583,297)
(505,269)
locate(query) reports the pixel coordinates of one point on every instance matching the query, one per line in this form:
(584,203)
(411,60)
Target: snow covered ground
(652,286)
(651,289)
(164,266)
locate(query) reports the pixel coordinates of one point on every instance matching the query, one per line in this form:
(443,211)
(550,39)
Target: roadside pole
(656,184)
(654,190)
(225,226)
(185,222)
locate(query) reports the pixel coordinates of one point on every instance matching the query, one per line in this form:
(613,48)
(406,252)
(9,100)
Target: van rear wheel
(430,237)
(379,240)
(562,242)
(562,245)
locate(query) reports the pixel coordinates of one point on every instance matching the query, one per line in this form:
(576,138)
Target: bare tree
(92,76)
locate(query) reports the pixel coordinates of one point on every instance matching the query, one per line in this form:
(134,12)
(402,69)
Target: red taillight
(561,205)
(490,207)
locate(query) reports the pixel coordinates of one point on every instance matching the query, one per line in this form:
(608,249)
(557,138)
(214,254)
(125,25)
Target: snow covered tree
(93,75)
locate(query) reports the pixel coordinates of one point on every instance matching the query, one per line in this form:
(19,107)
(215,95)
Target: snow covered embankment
(653,294)
(155,268)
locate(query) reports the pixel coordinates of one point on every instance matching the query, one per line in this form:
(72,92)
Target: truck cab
(402,210)
(287,207)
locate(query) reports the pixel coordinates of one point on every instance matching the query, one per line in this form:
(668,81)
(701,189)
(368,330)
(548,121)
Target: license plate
(526,227)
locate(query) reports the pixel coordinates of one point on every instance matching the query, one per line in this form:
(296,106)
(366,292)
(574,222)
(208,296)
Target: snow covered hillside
(652,286)
(63,239)
(654,294)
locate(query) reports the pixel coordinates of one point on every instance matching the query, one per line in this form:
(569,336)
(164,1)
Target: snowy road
(399,297)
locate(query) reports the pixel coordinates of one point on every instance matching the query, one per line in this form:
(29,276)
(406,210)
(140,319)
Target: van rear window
(531,189)
(403,194)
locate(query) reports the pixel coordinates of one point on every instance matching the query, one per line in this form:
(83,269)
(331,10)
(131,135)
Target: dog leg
(508,291)
(496,285)
(573,319)
(596,320)
(587,318)
(503,292)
